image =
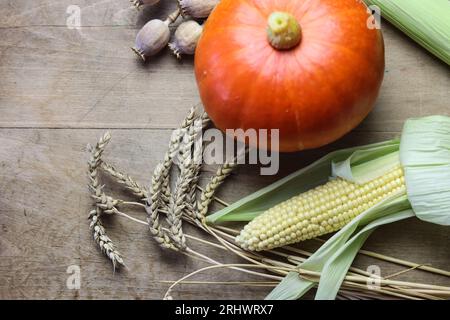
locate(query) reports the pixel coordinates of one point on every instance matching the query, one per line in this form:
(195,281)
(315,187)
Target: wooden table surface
(62,88)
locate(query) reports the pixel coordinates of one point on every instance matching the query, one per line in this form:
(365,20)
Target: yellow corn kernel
(324,209)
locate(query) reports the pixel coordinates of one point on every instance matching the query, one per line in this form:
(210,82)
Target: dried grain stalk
(103,204)
(179,204)
(124,179)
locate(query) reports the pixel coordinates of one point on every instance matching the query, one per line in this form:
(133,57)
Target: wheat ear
(125,180)
(207,195)
(153,206)
(189,166)
(187,174)
(104,242)
(191,197)
(161,194)
(173,149)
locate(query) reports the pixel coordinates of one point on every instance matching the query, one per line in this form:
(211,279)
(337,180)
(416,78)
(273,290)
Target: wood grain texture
(61,88)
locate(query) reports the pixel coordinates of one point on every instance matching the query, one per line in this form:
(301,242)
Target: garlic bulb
(152,38)
(186,38)
(139,3)
(197,8)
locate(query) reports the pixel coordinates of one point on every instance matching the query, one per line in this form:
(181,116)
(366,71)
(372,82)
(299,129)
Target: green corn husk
(425,21)
(424,154)
(425,157)
(300,181)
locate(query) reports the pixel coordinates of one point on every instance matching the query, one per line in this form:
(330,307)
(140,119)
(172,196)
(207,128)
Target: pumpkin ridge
(296,8)
(257,79)
(256,8)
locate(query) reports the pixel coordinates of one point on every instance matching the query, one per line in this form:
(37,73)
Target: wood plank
(55,77)
(44,204)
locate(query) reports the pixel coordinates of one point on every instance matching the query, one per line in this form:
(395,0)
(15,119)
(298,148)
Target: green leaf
(240,217)
(293,287)
(425,156)
(426,21)
(366,165)
(424,153)
(300,181)
(336,267)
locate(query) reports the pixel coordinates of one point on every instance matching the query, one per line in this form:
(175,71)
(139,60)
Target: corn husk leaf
(360,164)
(425,21)
(424,152)
(340,250)
(336,267)
(425,156)
(366,165)
(300,181)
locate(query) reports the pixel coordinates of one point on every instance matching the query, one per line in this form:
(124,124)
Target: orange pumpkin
(310,68)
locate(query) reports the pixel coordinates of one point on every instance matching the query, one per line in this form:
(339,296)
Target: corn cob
(324,209)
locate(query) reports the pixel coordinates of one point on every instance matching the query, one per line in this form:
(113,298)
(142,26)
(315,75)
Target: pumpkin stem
(283,31)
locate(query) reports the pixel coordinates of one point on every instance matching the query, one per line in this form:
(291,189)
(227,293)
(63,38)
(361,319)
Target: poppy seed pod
(186,38)
(139,3)
(152,38)
(197,8)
